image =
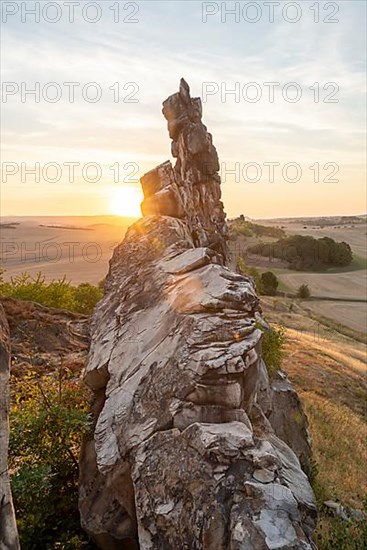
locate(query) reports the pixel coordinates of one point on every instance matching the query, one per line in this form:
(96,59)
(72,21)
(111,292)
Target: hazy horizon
(133,218)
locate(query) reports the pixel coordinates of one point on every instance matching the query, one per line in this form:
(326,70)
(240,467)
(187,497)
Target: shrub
(48,417)
(86,297)
(303,292)
(240,265)
(273,348)
(57,293)
(269,283)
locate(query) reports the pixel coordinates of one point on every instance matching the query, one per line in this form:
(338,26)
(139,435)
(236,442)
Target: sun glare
(125,201)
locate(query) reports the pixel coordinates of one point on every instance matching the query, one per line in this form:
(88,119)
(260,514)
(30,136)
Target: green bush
(57,293)
(269,283)
(86,297)
(273,348)
(303,292)
(48,418)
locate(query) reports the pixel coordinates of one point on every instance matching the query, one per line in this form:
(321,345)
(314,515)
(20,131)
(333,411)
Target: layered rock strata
(183,453)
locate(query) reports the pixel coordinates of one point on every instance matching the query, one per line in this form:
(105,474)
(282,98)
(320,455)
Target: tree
(269,283)
(303,292)
(306,252)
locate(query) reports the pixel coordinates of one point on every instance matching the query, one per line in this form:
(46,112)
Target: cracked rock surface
(186,450)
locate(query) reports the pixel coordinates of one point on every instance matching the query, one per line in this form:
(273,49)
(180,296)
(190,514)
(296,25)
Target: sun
(125,201)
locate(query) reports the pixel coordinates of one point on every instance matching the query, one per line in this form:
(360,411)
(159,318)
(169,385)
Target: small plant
(303,292)
(343,534)
(273,348)
(240,265)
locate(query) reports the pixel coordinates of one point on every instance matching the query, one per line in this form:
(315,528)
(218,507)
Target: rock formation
(183,456)
(8,528)
(191,190)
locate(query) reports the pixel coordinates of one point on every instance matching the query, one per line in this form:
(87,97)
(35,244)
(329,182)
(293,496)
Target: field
(331,285)
(348,284)
(350,314)
(355,235)
(78,247)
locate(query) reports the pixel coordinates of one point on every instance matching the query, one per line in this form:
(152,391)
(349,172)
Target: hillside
(328,370)
(338,294)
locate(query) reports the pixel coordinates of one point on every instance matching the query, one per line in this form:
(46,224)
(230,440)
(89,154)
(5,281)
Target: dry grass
(350,314)
(350,284)
(339,445)
(331,369)
(328,370)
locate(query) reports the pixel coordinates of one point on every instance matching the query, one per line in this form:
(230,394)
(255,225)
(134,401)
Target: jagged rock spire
(190,190)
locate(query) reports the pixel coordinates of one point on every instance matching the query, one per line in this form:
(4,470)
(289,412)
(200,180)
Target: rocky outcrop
(183,455)
(191,190)
(8,528)
(282,407)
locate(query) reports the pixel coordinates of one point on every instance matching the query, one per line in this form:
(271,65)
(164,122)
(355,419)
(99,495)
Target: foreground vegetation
(57,293)
(48,417)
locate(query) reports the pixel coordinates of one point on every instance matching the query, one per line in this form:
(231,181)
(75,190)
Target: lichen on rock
(183,456)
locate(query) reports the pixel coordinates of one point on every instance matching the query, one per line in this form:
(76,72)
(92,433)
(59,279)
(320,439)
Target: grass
(357,263)
(328,372)
(283,287)
(339,448)
(337,327)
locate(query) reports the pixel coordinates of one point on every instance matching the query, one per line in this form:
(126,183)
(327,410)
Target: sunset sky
(168,41)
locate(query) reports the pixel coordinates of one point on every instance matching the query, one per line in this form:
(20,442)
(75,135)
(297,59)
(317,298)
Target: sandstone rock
(196,170)
(336,509)
(345,512)
(175,363)
(8,529)
(282,407)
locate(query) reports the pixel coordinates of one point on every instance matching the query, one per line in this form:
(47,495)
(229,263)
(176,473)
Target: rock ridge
(186,450)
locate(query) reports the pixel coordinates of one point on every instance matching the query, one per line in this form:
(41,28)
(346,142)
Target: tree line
(306,252)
